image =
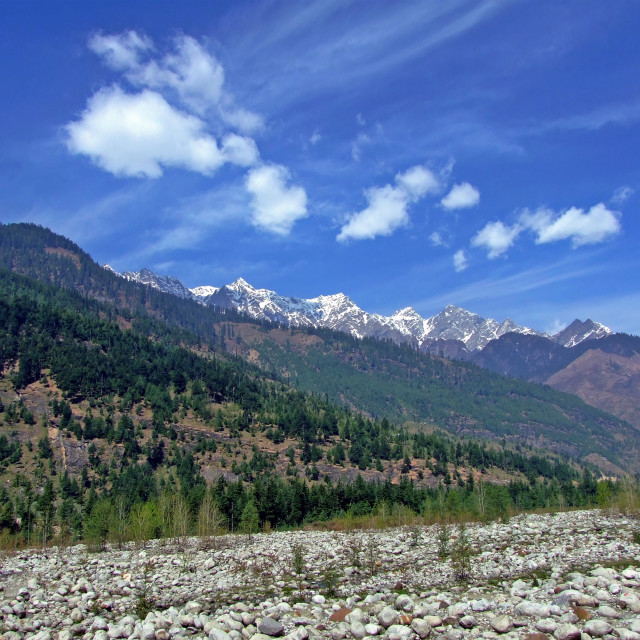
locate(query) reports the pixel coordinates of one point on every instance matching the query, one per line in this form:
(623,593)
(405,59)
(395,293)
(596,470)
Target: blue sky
(415,153)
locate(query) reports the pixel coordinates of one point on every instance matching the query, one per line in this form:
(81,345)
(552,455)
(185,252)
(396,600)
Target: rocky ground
(564,575)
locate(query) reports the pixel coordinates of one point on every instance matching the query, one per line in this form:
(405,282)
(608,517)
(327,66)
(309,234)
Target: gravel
(564,575)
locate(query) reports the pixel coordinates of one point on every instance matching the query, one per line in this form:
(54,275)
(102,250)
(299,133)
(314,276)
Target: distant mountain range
(454,331)
(586,358)
(379,378)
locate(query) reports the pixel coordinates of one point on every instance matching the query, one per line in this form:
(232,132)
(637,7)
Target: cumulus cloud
(388,205)
(417,182)
(276,205)
(137,135)
(316,137)
(461,196)
(239,150)
(580,226)
(167,116)
(189,70)
(460,260)
(496,238)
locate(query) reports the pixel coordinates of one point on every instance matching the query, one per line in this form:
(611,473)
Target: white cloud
(122,51)
(137,135)
(461,196)
(591,227)
(437,240)
(168,122)
(621,195)
(239,150)
(276,206)
(356,147)
(496,238)
(316,137)
(460,260)
(190,71)
(387,211)
(242,119)
(388,206)
(417,181)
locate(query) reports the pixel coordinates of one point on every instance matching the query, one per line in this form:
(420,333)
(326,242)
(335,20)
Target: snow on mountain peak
(339,312)
(204,291)
(579,331)
(242,284)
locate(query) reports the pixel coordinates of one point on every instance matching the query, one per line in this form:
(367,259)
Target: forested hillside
(378,378)
(108,419)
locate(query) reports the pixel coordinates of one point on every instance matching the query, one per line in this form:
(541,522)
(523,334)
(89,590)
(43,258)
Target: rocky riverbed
(565,575)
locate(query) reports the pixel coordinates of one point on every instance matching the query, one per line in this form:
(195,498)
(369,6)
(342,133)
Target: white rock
(357,630)
(421,627)
(218,634)
(597,628)
(388,617)
(546,625)
(532,609)
(501,624)
(398,632)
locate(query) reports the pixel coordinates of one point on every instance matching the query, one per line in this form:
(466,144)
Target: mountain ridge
(340,313)
(373,377)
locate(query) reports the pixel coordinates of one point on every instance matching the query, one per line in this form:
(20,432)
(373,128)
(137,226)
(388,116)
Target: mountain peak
(579,331)
(407,312)
(242,284)
(337,311)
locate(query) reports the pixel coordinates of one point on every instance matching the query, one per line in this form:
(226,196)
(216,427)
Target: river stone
(607,612)
(357,615)
(357,630)
(468,622)
(597,628)
(218,634)
(532,609)
(480,605)
(567,631)
(501,624)
(398,632)
(546,625)
(421,627)
(388,617)
(270,627)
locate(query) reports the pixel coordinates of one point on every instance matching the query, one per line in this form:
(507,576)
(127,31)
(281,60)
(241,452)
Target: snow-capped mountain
(579,331)
(168,284)
(453,325)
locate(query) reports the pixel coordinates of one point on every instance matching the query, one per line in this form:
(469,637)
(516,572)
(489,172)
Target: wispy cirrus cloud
(460,260)
(622,194)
